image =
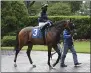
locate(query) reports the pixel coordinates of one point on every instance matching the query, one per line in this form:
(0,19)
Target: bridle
(66,25)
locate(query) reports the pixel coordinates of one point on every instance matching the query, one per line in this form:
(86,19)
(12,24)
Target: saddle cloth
(37,33)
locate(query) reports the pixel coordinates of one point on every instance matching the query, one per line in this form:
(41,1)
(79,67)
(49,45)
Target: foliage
(15,16)
(75,5)
(83,28)
(77,44)
(85,8)
(28,5)
(82,24)
(12,14)
(59,9)
(8,41)
(54,7)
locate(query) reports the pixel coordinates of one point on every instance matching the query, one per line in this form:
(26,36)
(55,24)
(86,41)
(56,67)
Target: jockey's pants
(41,24)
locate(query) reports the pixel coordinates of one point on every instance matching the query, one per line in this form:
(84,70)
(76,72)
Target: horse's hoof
(51,57)
(50,67)
(15,65)
(34,66)
(53,65)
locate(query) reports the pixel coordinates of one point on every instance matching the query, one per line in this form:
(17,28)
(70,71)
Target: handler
(68,44)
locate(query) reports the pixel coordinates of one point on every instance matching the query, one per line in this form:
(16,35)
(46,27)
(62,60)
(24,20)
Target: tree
(35,9)
(85,8)
(12,15)
(59,8)
(29,4)
(75,5)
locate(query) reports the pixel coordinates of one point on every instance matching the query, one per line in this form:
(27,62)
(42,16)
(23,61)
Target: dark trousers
(66,48)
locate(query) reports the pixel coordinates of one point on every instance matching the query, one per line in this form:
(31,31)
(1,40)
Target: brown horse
(52,38)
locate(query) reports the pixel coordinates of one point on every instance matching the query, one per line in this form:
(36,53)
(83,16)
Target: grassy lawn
(81,47)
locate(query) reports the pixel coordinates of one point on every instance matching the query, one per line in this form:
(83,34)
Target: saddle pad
(36,33)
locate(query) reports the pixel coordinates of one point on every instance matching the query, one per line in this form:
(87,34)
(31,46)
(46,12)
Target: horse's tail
(17,41)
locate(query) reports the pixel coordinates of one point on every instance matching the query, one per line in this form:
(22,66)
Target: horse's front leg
(59,54)
(49,55)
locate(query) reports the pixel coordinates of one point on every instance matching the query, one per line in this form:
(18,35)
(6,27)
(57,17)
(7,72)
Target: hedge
(82,24)
(11,41)
(8,41)
(33,20)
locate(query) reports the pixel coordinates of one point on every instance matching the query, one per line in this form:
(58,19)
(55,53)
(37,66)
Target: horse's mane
(55,24)
(59,22)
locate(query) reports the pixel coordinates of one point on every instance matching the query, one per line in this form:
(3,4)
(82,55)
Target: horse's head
(69,25)
(66,24)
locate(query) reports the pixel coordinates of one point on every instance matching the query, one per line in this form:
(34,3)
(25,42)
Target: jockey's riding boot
(44,37)
(43,32)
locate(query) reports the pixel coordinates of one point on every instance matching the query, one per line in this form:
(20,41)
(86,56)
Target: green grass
(35,47)
(80,47)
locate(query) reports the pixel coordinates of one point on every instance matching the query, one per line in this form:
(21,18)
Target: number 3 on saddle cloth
(37,33)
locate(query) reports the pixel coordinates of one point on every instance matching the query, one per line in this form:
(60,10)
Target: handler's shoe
(77,64)
(63,65)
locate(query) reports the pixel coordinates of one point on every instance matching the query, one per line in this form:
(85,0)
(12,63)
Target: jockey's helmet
(44,5)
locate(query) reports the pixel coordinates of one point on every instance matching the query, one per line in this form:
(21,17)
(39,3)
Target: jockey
(43,20)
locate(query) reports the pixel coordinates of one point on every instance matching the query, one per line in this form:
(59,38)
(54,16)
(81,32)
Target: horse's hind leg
(16,53)
(28,53)
(49,55)
(59,54)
